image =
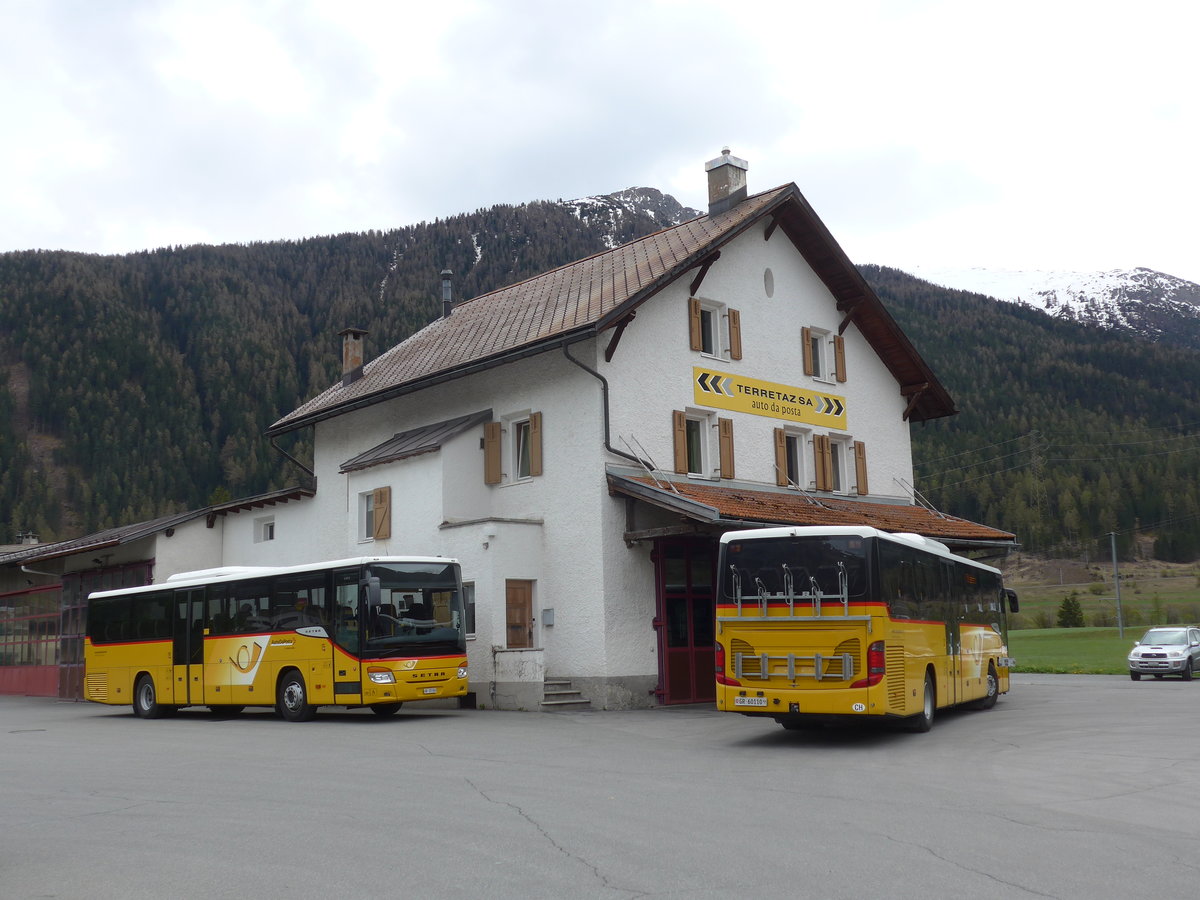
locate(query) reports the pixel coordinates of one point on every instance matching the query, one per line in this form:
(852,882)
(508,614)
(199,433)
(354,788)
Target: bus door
(188,655)
(349,610)
(952,594)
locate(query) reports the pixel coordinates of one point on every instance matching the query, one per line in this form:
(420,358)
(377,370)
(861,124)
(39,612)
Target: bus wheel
(923,720)
(145,699)
(988,700)
(385,710)
(293,702)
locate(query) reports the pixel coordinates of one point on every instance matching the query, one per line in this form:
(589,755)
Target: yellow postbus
(375,632)
(821,624)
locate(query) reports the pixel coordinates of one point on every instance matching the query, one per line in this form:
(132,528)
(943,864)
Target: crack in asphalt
(600,876)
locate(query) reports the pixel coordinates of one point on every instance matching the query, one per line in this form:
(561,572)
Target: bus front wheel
(384,710)
(988,700)
(923,720)
(292,698)
(145,699)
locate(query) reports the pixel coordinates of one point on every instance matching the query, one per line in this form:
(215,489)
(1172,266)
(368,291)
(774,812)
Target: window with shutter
(491,453)
(735,334)
(823,462)
(860,467)
(381,519)
(725,431)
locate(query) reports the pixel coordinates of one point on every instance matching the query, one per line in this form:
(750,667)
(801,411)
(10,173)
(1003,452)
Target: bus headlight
(381,676)
(462,671)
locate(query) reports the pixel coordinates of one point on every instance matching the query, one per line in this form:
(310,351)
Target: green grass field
(1091,651)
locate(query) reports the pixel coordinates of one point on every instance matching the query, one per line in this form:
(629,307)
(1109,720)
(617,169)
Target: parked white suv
(1166,651)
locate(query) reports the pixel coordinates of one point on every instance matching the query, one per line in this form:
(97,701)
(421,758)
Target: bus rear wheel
(923,720)
(292,698)
(145,699)
(385,710)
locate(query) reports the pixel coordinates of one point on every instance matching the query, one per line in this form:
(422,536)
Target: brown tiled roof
(592,294)
(736,504)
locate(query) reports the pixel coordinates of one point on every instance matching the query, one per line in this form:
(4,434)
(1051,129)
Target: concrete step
(558,694)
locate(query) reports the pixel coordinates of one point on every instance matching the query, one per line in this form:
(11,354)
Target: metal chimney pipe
(447,293)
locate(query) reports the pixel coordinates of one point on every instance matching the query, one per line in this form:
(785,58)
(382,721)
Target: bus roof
(917,541)
(234,573)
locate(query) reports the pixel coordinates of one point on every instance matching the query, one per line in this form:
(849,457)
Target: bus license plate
(749,701)
(429,690)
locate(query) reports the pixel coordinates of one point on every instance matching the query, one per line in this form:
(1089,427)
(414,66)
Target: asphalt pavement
(1071,787)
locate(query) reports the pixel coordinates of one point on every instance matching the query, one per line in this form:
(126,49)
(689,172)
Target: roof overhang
(713,508)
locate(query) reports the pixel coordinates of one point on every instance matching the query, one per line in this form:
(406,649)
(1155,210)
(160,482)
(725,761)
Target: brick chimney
(726,182)
(352,355)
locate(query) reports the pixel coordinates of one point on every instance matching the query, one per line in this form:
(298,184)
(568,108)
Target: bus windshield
(420,610)
(752,568)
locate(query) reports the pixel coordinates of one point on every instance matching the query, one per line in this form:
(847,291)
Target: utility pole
(1117,584)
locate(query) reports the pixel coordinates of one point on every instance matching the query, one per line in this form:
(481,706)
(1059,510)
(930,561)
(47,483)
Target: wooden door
(518,606)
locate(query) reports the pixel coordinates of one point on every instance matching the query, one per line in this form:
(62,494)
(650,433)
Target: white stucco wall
(651,372)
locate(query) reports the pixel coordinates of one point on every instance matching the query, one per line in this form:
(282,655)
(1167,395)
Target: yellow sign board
(766,398)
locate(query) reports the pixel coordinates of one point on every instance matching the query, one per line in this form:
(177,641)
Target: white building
(580,440)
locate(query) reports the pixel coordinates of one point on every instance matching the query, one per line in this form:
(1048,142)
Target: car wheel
(1135,676)
(1187,671)
(292,698)
(923,720)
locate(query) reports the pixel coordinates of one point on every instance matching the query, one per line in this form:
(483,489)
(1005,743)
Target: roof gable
(586,297)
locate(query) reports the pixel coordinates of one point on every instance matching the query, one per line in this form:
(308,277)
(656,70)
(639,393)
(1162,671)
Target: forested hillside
(132,386)
(1065,433)
(136,385)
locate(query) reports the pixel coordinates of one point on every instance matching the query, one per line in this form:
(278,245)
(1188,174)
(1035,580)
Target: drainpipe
(604,396)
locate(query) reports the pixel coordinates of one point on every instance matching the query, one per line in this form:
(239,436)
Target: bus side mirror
(371,591)
(1013,604)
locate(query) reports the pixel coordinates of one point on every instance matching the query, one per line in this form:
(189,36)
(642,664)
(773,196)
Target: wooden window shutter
(823,461)
(806,349)
(535,443)
(839,357)
(781,462)
(735,334)
(694,324)
(860,466)
(725,430)
(679,427)
(381,523)
(491,453)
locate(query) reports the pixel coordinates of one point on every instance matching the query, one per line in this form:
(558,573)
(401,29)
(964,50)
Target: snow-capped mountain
(1151,304)
(609,210)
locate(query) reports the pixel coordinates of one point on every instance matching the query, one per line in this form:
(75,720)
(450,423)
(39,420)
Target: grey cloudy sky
(1026,134)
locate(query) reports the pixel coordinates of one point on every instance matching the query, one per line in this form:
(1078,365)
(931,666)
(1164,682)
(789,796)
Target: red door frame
(684,575)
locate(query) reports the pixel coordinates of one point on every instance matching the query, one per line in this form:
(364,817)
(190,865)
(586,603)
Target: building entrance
(684,569)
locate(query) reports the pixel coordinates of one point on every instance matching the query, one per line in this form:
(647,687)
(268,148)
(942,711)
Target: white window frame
(366,517)
(521,449)
(264,529)
(821,348)
(718,332)
(798,452)
(705,423)
(510,454)
(842,461)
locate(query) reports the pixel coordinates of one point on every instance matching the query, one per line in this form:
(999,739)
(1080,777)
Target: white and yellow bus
(375,632)
(821,624)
